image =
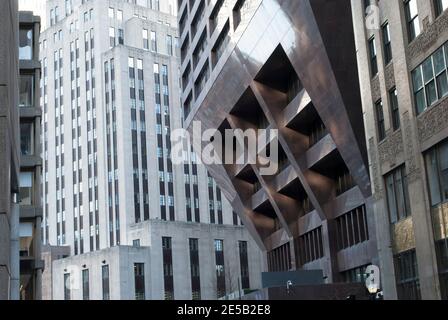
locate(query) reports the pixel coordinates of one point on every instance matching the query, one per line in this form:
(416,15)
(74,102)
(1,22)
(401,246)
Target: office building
(403,58)
(137,225)
(31,265)
(277,65)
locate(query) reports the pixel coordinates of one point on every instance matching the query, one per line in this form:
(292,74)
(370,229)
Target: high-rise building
(31,265)
(403,60)
(137,225)
(288,66)
(9,155)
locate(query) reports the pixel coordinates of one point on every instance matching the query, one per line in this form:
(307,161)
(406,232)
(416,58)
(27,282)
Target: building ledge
(30,112)
(30,212)
(30,161)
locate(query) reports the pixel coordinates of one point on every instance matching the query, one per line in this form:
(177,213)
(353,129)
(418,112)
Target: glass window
(26,188)
(26,138)
(380,120)
(139,281)
(26,44)
(373,61)
(406,269)
(119,15)
(398,195)
(440,6)
(387,43)
(67,294)
(111,13)
(437,171)
(412,19)
(395,113)
(85,285)
(105,282)
(26,89)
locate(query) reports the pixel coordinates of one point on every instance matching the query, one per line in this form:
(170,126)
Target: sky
(37,6)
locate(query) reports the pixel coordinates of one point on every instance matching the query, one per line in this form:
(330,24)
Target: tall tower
(111,192)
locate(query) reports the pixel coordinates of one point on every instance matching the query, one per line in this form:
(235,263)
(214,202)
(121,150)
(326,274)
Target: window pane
(431,94)
(442,85)
(427,70)
(26,138)
(439,61)
(420,101)
(433,178)
(391,199)
(26,91)
(26,44)
(417,79)
(443,159)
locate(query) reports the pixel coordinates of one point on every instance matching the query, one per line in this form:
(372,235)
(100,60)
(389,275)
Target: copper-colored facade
(288,65)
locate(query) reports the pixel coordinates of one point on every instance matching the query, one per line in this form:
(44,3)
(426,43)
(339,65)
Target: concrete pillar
(15,252)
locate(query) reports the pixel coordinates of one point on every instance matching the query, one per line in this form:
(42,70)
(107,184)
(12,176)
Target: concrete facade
(405,138)
(121,260)
(9,155)
(277,65)
(110,95)
(31,265)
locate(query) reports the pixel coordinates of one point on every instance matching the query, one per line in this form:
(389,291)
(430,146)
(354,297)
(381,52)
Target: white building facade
(110,100)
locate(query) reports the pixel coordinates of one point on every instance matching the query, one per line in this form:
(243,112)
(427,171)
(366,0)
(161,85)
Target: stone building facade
(403,58)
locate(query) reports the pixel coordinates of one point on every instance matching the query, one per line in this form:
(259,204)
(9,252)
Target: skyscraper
(288,66)
(403,59)
(138,227)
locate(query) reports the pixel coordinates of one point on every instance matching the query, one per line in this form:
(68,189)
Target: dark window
(279,259)
(67,285)
(105,282)
(395,113)
(244,265)
(356,275)
(139,280)
(309,247)
(352,228)
(437,172)
(380,120)
(195,269)
(413,23)
(168,268)
(372,56)
(85,285)
(397,195)
(440,6)
(386,43)
(406,269)
(220,269)
(26,94)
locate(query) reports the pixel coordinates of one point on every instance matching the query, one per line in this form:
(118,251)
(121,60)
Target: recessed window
(412,19)
(372,56)
(26,90)
(381,128)
(395,113)
(387,43)
(26,43)
(406,274)
(440,6)
(398,195)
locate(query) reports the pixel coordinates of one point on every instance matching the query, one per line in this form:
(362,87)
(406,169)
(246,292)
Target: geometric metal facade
(288,66)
